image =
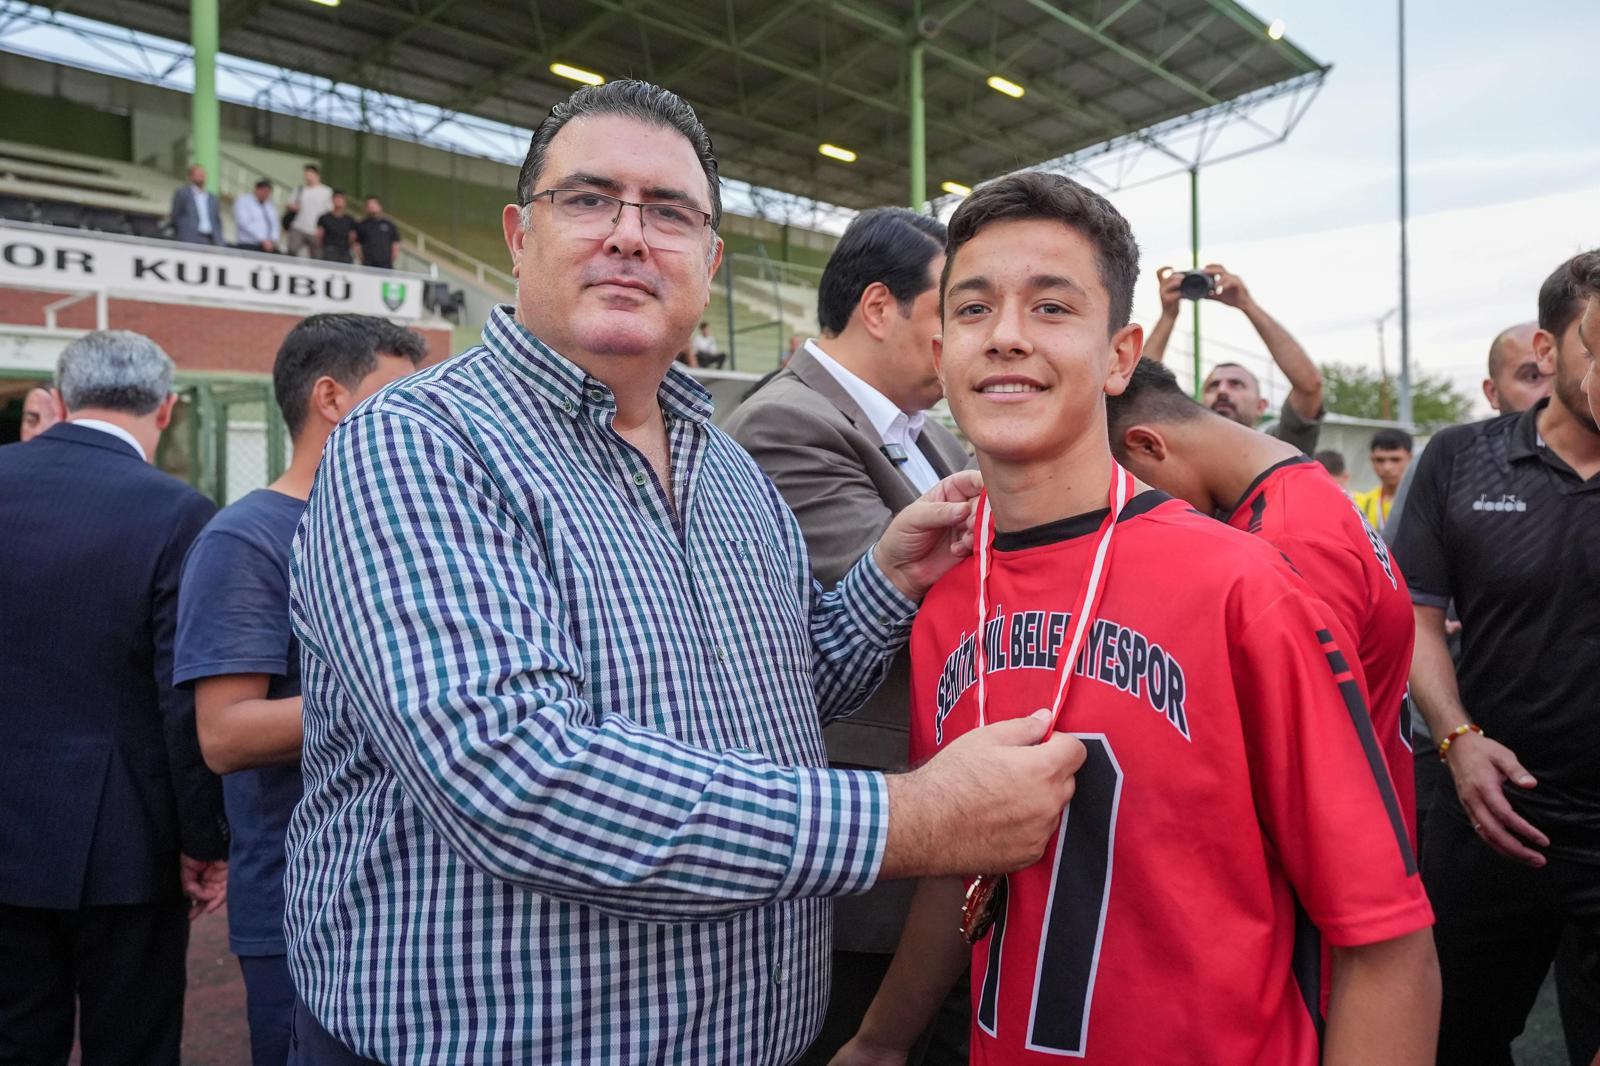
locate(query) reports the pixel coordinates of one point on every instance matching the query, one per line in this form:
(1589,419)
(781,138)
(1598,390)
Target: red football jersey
(1233,800)
(1300,510)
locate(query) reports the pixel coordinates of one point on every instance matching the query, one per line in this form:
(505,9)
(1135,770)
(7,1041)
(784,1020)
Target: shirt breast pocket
(773,592)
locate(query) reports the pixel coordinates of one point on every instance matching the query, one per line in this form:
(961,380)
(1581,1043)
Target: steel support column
(205,114)
(918,163)
(1405,246)
(1194,264)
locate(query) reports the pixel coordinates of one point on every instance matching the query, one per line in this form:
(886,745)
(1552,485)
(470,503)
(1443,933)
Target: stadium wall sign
(72,260)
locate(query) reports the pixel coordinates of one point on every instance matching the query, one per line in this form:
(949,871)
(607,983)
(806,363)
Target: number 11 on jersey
(1073,925)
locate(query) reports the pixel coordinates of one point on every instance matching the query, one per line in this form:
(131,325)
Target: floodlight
(567,70)
(955,188)
(1275,31)
(326,3)
(1006,85)
(833,151)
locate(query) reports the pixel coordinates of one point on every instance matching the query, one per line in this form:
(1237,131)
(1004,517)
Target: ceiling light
(833,151)
(326,3)
(955,188)
(1006,85)
(1275,31)
(566,70)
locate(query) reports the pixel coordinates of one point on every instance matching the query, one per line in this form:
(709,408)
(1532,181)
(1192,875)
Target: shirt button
(722,654)
(639,479)
(568,406)
(778,975)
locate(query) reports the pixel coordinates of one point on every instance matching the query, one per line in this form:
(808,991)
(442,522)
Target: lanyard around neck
(1092,582)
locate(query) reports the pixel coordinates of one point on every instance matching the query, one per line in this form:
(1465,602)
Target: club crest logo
(394,294)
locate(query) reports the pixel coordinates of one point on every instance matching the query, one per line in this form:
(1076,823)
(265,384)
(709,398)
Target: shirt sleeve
(1420,546)
(233,612)
(1322,789)
(1293,429)
(440,621)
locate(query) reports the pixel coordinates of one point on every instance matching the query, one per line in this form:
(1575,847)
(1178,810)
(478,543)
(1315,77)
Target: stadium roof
(774,79)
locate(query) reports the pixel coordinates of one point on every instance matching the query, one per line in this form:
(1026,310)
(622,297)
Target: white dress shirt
(255,221)
(116,431)
(202,208)
(892,425)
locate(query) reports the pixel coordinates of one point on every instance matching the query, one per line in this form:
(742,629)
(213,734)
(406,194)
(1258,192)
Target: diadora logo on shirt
(1112,654)
(1507,502)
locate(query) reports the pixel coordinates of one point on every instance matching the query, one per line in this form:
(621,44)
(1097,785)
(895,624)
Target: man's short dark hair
(893,245)
(1390,440)
(632,99)
(1583,272)
(1152,395)
(1560,298)
(264,183)
(313,168)
(1251,374)
(1332,461)
(1035,194)
(344,347)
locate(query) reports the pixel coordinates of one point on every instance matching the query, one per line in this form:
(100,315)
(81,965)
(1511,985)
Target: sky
(1504,151)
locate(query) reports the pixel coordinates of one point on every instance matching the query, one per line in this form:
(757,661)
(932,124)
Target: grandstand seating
(66,189)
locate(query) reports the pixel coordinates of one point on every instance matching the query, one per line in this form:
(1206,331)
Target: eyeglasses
(668,227)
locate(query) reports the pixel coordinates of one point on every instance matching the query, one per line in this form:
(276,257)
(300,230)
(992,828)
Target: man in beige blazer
(844,432)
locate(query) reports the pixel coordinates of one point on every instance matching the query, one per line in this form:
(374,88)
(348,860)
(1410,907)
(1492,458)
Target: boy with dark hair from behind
(1263,486)
(1231,805)
(236,649)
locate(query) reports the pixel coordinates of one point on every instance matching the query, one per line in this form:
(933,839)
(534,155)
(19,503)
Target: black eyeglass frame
(705,216)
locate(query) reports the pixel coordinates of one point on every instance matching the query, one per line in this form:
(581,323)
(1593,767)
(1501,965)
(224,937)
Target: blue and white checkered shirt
(565,789)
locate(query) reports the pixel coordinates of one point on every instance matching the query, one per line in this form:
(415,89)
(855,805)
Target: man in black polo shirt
(1503,518)
(378,236)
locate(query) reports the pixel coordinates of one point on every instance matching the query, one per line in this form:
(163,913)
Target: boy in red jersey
(1227,809)
(1269,488)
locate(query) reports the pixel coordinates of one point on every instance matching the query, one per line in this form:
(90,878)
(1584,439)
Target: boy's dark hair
(313,168)
(1332,461)
(893,245)
(263,183)
(631,99)
(1035,194)
(1388,440)
(1561,297)
(1152,395)
(1583,272)
(343,347)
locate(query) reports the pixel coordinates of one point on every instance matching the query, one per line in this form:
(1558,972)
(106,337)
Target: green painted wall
(52,122)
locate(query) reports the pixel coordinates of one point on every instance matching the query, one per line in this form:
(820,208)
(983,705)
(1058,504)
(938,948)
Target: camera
(1196,285)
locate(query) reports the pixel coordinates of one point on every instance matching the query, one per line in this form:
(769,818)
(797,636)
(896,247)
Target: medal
(980,906)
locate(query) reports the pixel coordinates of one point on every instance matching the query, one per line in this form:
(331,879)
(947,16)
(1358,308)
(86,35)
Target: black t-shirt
(1499,523)
(378,237)
(336,230)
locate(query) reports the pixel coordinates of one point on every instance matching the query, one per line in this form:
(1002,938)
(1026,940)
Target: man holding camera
(1230,389)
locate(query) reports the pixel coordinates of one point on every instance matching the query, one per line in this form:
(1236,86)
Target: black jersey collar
(1293,460)
(1076,526)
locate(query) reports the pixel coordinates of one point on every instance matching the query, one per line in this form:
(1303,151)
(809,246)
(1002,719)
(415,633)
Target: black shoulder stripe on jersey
(1258,513)
(1356,705)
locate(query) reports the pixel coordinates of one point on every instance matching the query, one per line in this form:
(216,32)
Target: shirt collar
(1525,441)
(887,419)
(116,431)
(565,385)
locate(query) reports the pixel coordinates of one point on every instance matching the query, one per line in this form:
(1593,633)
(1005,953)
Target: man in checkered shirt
(566,798)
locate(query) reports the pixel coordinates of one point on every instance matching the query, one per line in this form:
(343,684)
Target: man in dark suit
(844,433)
(196,217)
(108,816)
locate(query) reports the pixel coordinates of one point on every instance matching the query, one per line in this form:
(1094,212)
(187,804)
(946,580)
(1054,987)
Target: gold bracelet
(1458,731)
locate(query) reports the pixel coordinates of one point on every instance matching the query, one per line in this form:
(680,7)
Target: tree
(1358,391)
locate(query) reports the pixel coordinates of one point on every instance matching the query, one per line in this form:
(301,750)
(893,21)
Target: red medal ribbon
(978,907)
